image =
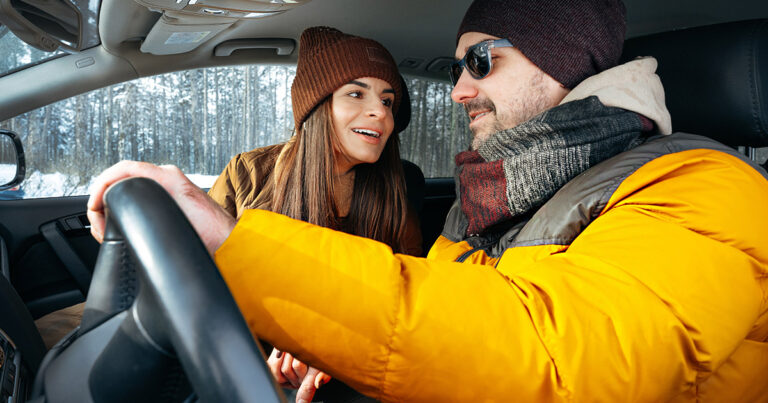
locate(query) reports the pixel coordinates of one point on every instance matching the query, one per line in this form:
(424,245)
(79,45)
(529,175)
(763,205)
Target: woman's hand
(294,374)
(209,220)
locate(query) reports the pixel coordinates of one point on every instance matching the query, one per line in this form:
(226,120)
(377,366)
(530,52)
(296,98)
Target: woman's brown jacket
(245,175)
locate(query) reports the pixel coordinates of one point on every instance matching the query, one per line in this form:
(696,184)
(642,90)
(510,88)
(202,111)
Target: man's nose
(465,89)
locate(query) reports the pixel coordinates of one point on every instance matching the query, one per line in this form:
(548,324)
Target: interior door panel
(51,253)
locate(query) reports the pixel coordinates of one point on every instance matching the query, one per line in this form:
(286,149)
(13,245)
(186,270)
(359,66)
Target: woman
(342,167)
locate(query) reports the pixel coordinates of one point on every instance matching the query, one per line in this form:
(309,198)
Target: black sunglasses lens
(478,62)
(455,72)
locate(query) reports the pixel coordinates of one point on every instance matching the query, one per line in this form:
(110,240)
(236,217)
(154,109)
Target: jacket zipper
(469,253)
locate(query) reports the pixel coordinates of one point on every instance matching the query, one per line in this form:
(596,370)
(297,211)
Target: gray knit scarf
(517,170)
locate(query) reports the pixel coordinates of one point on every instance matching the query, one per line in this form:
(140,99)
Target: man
(588,255)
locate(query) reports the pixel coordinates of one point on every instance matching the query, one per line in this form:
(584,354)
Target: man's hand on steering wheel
(209,220)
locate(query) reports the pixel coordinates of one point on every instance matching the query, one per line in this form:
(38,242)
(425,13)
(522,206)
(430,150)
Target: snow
(203,181)
(39,185)
(7,172)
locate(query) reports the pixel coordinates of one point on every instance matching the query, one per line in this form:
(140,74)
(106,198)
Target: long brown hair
(302,184)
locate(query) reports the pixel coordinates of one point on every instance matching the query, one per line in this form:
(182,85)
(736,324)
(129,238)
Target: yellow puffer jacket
(643,279)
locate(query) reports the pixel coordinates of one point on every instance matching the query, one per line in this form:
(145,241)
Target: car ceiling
(421,31)
(416,30)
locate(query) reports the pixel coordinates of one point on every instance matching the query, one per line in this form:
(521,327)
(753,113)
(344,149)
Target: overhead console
(186,24)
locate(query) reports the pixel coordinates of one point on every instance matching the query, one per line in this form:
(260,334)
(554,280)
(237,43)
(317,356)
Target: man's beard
(532,102)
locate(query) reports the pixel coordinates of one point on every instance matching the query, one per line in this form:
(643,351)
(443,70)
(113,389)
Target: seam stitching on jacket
(395,321)
(610,189)
(549,346)
(599,206)
(613,186)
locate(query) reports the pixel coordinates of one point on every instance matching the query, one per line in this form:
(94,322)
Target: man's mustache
(483,104)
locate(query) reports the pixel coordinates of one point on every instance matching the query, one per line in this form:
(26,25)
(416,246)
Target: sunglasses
(477,60)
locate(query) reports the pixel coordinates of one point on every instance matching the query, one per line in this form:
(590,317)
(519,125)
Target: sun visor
(187,24)
(172,36)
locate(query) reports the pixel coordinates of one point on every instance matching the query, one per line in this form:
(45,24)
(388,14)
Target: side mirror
(12,165)
(46,25)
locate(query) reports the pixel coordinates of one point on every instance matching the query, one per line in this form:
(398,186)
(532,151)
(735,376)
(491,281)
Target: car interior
(713,63)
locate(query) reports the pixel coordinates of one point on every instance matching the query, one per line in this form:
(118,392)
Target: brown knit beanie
(328,59)
(568,39)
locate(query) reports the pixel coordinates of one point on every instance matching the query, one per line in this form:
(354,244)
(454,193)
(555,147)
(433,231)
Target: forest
(197,120)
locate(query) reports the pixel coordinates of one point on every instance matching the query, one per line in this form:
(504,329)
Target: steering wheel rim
(183,310)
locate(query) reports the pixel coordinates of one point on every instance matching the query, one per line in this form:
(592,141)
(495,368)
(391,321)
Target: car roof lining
(400,25)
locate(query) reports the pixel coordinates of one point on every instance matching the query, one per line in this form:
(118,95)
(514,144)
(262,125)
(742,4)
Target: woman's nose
(377,109)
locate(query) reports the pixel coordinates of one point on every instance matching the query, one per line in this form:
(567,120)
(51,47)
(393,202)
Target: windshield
(198,120)
(17,55)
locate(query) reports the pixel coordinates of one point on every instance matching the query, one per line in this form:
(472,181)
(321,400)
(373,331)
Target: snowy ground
(39,185)
(7,172)
(204,181)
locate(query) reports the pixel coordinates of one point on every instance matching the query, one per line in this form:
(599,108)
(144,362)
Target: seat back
(414,177)
(414,184)
(715,79)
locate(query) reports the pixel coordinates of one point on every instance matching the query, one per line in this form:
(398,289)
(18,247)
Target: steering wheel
(159,328)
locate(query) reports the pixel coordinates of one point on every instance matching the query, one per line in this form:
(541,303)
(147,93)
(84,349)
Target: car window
(439,128)
(198,120)
(17,54)
(760,155)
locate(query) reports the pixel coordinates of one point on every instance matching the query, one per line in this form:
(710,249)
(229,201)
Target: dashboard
(11,385)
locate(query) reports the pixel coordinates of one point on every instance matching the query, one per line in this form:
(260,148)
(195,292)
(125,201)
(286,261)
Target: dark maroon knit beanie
(568,39)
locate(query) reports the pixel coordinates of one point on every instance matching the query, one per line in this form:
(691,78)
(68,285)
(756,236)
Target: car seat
(414,177)
(414,185)
(715,79)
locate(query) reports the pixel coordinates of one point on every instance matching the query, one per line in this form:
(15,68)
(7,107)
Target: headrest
(715,79)
(414,184)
